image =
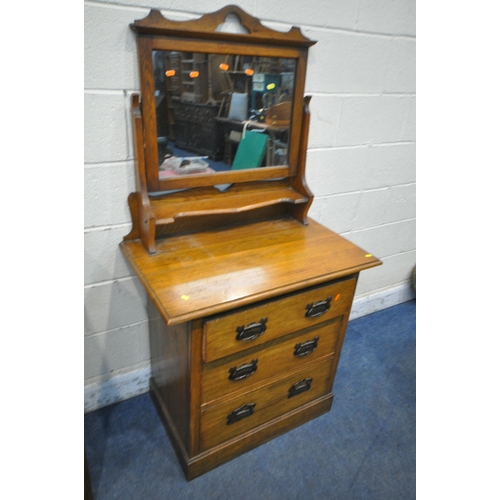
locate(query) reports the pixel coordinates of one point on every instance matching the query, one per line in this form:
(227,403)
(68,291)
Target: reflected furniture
(248,299)
(194,130)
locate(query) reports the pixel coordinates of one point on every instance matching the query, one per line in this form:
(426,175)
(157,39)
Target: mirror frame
(156,32)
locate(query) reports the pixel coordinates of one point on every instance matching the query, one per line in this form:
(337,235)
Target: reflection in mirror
(216,113)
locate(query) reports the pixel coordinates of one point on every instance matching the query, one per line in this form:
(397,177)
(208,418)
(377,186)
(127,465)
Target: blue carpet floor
(364,448)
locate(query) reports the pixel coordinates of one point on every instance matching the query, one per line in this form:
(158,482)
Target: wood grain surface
(201,274)
(270,402)
(271,360)
(284,315)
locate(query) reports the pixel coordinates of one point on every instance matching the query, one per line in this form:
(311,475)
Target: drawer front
(235,332)
(220,379)
(242,413)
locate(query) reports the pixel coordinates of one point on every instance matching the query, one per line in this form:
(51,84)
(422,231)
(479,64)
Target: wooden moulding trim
(204,27)
(196,341)
(145,283)
(270,294)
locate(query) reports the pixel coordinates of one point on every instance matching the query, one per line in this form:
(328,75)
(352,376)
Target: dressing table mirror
(248,300)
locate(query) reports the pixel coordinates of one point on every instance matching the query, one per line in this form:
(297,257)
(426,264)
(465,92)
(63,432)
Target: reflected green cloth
(250,151)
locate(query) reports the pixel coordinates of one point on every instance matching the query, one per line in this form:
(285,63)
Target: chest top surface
(195,275)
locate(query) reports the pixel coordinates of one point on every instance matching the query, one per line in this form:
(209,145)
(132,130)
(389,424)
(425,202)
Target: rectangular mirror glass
(219,112)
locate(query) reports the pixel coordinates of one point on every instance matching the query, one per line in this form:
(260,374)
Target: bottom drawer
(238,415)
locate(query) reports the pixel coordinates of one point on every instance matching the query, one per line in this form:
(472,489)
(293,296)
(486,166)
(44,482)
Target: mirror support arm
(143,217)
(299,184)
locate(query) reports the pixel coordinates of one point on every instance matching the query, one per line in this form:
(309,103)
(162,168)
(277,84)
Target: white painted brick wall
(386,16)
(110,48)
(361,156)
(110,351)
(107,186)
(103,259)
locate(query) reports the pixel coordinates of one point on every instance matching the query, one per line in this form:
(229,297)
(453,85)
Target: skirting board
(381,300)
(117,388)
(130,384)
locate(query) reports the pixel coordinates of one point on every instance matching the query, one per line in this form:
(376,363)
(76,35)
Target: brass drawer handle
(301,386)
(240,413)
(243,371)
(305,348)
(318,309)
(251,331)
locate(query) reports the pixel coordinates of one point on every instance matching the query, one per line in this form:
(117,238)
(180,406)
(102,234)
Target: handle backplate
(301,386)
(243,371)
(305,348)
(240,413)
(318,308)
(251,331)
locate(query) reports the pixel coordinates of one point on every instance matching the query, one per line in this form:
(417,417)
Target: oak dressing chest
(248,299)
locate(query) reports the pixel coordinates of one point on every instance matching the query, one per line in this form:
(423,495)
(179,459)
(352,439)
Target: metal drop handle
(301,386)
(318,309)
(240,413)
(243,371)
(251,331)
(305,348)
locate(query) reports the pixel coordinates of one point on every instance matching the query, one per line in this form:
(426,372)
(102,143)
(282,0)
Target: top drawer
(234,332)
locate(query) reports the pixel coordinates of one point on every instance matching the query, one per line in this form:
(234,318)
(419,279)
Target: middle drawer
(231,375)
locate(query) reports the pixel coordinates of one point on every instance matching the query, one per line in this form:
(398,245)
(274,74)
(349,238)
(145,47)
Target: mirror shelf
(241,201)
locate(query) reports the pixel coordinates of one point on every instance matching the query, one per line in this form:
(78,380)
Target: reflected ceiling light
(194,74)
(170,72)
(224,67)
(249,71)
